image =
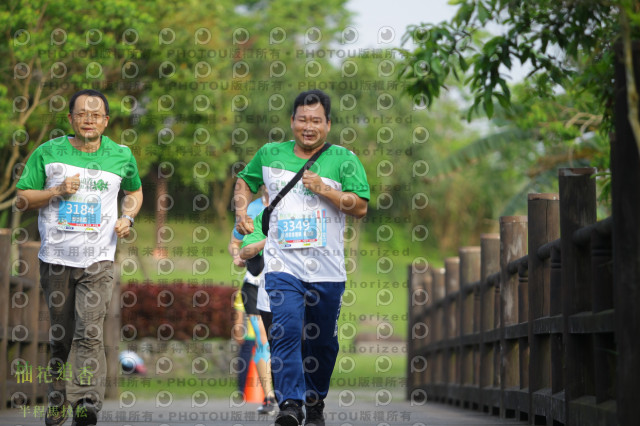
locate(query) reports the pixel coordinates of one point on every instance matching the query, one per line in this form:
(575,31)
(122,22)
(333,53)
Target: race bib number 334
(299,230)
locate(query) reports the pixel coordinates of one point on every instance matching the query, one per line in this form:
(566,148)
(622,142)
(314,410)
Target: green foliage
(557,40)
(178,76)
(196,88)
(559,117)
(48,50)
(529,141)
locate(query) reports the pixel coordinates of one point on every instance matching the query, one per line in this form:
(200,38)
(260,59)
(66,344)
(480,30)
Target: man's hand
(70,185)
(29,199)
(244,224)
(313,182)
(239,262)
(347,202)
(122,227)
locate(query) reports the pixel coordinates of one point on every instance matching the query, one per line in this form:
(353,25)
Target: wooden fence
(552,336)
(530,336)
(24,327)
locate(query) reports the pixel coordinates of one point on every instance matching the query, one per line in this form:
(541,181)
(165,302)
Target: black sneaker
(85,413)
(290,414)
(56,415)
(268,406)
(315,414)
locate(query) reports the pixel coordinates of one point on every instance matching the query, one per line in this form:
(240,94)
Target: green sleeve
(256,236)
(131,177)
(354,178)
(33,176)
(252,173)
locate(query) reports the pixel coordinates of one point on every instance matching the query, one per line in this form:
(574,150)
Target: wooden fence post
(489,339)
(437,331)
(5,273)
(28,332)
(469,275)
(577,209)
(452,286)
(557,345)
(112,338)
(544,227)
(604,343)
(524,408)
(419,300)
(422,332)
(513,245)
(44,351)
(625,181)
(418,330)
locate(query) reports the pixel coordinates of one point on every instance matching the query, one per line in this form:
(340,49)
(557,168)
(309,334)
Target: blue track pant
(302,370)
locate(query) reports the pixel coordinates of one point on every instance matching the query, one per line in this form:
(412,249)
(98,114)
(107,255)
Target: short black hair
(88,92)
(312,97)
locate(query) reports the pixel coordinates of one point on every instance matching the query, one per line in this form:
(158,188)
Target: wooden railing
(523,325)
(24,328)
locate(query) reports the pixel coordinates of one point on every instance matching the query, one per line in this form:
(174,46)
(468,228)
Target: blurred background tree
(196,88)
(559,116)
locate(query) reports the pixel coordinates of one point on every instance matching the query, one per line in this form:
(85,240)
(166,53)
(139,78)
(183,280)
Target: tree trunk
(16,218)
(222,192)
(163,204)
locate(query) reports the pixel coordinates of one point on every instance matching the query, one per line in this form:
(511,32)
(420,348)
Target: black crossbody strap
(266,216)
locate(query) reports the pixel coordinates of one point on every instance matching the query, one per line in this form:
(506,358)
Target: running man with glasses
(74,181)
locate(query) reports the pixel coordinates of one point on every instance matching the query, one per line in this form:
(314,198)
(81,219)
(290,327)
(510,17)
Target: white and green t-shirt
(78,230)
(306,232)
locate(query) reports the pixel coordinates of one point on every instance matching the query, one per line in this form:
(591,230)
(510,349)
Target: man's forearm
(234,245)
(29,199)
(347,202)
(132,202)
(250,250)
(241,197)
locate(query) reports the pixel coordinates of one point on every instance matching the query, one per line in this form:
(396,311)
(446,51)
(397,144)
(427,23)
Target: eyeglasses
(94,116)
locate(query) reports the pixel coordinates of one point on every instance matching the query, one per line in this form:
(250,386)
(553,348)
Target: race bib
(79,216)
(300,230)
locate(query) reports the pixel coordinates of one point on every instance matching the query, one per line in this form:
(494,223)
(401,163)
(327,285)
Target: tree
(568,48)
(561,41)
(48,51)
(174,74)
(549,134)
(573,45)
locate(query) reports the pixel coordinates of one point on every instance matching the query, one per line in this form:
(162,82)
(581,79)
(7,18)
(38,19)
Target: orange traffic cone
(253,389)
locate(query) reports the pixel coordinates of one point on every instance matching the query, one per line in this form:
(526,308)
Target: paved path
(342,410)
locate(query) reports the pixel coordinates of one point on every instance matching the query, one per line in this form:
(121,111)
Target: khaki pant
(78,300)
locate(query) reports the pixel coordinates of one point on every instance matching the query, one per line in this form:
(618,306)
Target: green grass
(376,288)
(375,304)
(178,387)
(352,372)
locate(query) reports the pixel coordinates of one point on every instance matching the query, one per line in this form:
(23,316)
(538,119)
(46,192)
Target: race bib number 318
(78,216)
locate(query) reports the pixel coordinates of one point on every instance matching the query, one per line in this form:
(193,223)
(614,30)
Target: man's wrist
(56,190)
(129,218)
(325,189)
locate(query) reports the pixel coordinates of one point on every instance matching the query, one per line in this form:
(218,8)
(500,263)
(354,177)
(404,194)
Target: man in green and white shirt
(74,181)
(304,252)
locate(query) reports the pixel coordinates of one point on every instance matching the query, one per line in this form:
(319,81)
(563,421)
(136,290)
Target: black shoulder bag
(256,263)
